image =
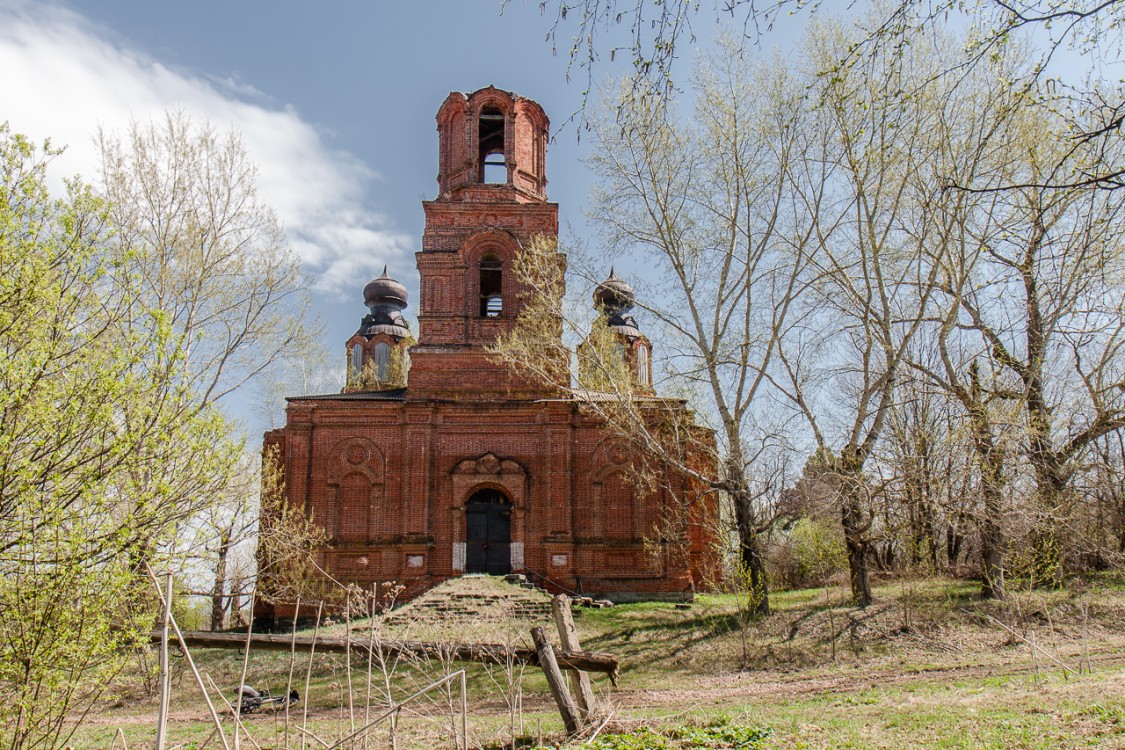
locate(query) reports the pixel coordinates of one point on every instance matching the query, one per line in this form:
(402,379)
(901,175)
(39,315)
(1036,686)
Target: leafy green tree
(126,314)
(80,423)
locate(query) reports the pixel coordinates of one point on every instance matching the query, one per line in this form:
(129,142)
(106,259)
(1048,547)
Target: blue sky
(335,101)
(336,104)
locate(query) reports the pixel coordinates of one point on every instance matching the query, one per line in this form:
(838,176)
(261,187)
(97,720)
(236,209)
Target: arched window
(490,137)
(491,287)
(643,374)
(357,359)
(382,358)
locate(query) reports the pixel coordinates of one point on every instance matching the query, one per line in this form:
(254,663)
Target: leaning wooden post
(165,669)
(568,637)
(570,715)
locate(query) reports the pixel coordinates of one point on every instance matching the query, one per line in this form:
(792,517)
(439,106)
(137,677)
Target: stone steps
(476,599)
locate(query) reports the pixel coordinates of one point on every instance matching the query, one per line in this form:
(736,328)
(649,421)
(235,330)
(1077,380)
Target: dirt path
(729,688)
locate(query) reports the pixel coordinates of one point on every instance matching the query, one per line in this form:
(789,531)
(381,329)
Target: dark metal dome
(614,295)
(616,298)
(385,291)
(385,298)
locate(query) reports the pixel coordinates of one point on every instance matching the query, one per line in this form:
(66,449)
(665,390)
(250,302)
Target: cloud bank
(63,78)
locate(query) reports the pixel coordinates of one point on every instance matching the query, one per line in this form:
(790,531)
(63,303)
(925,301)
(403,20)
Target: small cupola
(616,298)
(378,356)
(628,348)
(385,299)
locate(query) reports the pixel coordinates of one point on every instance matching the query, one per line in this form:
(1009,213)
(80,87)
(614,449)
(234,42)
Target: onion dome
(385,298)
(616,298)
(614,294)
(385,291)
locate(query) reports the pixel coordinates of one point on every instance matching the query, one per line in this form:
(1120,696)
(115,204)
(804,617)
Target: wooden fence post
(568,637)
(165,669)
(570,715)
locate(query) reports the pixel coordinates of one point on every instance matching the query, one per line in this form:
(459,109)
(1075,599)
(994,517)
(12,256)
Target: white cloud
(64,78)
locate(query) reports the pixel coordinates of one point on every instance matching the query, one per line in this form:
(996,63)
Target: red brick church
(434,461)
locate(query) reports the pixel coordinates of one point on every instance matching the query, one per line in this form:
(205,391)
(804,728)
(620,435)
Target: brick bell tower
(492,200)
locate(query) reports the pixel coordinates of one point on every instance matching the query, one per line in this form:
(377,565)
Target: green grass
(1018,713)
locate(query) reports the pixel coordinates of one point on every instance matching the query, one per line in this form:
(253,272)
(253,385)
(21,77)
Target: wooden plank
(568,637)
(487,653)
(555,680)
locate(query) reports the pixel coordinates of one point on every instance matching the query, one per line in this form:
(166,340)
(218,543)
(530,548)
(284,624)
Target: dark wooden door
(488,534)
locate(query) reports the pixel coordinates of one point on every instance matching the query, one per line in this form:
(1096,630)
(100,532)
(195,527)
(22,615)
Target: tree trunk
(953,542)
(991,547)
(990,463)
(856,542)
(236,618)
(1051,476)
(928,537)
(991,522)
(923,543)
(218,600)
(1051,480)
(753,562)
(750,554)
(919,496)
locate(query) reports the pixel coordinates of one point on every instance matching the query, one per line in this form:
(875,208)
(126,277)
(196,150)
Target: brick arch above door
(505,474)
(483,472)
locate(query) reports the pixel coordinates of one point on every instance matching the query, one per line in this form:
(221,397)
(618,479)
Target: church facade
(435,461)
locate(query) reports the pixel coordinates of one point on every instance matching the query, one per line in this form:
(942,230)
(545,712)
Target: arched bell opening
(491,286)
(488,532)
(493,153)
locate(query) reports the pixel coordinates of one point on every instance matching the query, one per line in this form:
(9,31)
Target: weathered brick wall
(379,476)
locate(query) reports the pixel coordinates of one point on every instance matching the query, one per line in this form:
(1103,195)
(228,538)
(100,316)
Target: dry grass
(929,665)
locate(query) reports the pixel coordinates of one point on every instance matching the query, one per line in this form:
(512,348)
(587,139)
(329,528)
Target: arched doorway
(488,533)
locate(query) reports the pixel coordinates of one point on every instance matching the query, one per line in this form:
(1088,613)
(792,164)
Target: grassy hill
(928,665)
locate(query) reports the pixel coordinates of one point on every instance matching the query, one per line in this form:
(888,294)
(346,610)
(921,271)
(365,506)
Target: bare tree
(652,34)
(1046,302)
(705,205)
(977,127)
(871,277)
(1050,165)
(212,281)
(210,256)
